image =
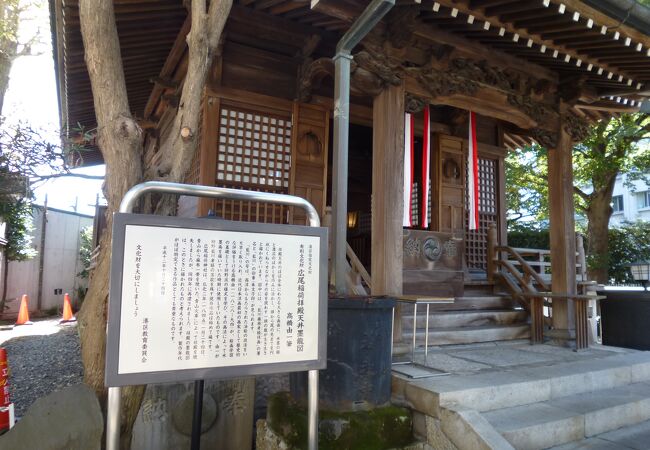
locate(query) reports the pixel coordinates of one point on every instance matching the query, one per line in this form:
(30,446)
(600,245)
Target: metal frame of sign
(120,223)
(127,205)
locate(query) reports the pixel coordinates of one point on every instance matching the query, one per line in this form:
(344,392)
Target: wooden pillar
(387,191)
(563,243)
(387,195)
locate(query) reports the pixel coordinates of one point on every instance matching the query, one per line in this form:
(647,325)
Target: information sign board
(203,298)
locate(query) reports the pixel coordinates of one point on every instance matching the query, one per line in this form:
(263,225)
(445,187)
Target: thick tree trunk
(598,215)
(120,140)
(203,41)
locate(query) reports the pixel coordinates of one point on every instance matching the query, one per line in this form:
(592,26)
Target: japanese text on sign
(198,298)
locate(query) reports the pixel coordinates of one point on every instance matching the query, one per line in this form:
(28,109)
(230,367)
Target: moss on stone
(377,429)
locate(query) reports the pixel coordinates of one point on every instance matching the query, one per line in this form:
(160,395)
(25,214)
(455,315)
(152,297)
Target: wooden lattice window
(476,240)
(254,153)
(416,215)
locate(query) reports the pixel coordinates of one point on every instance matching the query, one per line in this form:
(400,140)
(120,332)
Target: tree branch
(68,175)
(582,194)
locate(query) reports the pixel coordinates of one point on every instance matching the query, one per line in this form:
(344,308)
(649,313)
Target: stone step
(469,335)
(573,418)
(635,437)
(446,319)
(495,390)
(470,302)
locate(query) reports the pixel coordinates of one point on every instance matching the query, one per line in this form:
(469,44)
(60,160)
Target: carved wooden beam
(476,97)
(478,51)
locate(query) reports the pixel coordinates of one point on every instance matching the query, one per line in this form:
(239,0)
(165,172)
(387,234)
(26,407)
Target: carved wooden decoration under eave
(544,138)
(370,73)
(310,75)
(414,104)
(576,126)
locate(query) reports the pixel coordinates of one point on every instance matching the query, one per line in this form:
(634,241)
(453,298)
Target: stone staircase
(565,404)
(476,317)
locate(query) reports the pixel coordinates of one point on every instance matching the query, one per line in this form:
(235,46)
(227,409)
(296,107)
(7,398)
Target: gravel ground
(42,363)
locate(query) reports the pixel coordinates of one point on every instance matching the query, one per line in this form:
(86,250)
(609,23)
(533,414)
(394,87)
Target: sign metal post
(127,206)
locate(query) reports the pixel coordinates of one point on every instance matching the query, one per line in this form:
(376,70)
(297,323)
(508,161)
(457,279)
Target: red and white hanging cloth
(472,174)
(408,169)
(426,158)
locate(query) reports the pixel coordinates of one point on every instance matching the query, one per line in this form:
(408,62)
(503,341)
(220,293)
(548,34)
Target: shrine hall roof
(605,44)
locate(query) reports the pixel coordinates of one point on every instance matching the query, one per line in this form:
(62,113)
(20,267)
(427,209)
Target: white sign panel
(196,298)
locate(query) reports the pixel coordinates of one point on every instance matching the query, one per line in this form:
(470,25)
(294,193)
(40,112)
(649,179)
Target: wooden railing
(357,268)
(526,274)
(358,279)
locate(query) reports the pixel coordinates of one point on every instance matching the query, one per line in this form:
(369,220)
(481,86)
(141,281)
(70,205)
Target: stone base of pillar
(561,337)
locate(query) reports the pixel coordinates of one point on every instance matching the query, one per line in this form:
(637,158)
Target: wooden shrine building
(532,71)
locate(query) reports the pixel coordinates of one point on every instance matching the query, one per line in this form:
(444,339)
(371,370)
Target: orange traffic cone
(67,310)
(23,312)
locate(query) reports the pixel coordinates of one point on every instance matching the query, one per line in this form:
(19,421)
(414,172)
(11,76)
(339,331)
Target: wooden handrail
(357,266)
(527,286)
(525,266)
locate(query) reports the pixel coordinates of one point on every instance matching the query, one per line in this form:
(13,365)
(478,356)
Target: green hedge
(528,237)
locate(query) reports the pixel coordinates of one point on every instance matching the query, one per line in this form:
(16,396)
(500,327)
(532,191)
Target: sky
(32,98)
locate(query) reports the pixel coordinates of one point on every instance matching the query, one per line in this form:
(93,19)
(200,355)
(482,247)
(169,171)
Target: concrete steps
(572,418)
(469,334)
(634,437)
(535,407)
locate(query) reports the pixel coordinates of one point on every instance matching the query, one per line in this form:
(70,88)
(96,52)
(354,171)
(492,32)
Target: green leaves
(17,213)
(526,186)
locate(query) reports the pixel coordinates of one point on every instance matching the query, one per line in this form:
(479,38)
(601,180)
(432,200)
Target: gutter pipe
(373,13)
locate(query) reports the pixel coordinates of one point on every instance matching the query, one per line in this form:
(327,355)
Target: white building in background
(53,272)
(629,204)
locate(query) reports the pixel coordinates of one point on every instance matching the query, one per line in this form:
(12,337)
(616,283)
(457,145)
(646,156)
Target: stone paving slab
(506,355)
(594,444)
(449,363)
(636,437)
(503,357)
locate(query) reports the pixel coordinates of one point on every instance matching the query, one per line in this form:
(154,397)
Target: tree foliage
(12,12)
(526,187)
(627,244)
(613,147)
(17,214)
(85,251)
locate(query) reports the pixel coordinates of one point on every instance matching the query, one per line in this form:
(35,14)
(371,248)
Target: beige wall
(60,264)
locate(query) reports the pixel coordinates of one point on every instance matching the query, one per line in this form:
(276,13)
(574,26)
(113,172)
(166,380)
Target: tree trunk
(120,140)
(598,215)
(5,276)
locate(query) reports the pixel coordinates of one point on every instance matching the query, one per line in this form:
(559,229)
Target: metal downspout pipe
(373,13)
